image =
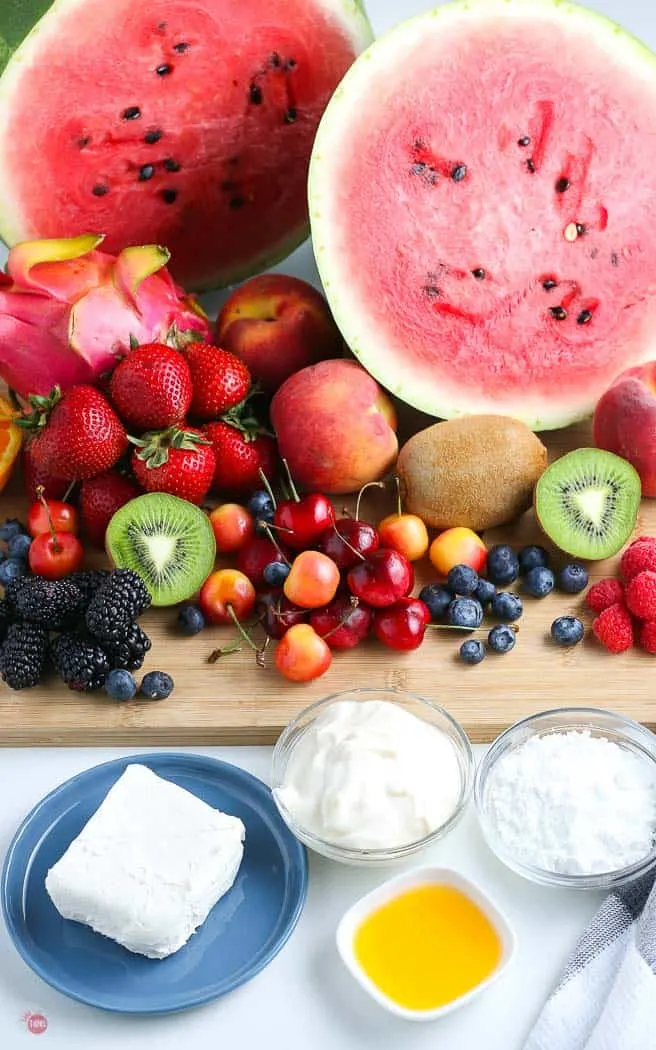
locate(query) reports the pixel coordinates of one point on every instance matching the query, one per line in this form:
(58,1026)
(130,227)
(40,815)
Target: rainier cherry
(227,595)
(382,578)
(402,625)
(313,580)
(404,532)
(303,519)
(457,546)
(344,623)
(302,655)
(233,527)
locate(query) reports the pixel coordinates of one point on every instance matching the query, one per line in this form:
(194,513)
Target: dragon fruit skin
(69,311)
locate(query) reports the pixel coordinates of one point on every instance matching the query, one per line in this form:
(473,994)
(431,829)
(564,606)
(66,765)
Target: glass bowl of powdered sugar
(568,798)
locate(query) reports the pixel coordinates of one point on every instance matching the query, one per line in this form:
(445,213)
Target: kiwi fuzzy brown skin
(475,471)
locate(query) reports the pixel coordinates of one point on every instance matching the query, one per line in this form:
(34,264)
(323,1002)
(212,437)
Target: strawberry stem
(369,485)
(292,486)
(40,495)
(267,485)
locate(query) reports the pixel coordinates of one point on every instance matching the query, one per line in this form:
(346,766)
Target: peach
(458,546)
(625,422)
(277,325)
(335,427)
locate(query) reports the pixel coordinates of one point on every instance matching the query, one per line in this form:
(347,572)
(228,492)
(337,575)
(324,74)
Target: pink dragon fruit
(69,311)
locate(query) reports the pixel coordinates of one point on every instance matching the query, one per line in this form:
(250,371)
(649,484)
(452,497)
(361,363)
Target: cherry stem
(346,543)
(472,630)
(56,546)
(292,486)
(346,512)
(242,630)
(270,536)
(354,602)
(267,485)
(369,485)
(260,654)
(399,505)
(69,490)
(216,654)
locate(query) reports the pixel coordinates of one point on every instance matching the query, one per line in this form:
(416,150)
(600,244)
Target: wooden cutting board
(235,702)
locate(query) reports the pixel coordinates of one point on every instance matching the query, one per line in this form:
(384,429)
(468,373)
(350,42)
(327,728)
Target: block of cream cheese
(149,865)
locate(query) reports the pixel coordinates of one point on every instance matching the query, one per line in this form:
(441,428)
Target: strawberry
(177,461)
(100,498)
(220,380)
(151,387)
(240,457)
(34,476)
(78,433)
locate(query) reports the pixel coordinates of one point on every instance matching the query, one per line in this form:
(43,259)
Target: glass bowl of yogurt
(372,776)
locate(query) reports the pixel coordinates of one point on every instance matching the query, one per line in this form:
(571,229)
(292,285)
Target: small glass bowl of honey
(425,943)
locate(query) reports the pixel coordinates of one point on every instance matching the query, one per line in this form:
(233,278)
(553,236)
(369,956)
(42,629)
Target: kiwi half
(587,503)
(168,541)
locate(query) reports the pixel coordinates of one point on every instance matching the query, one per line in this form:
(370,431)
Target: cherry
(63,516)
(402,626)
(313,580)
(457,546)
(279,614)
(406,533)
(303,519)
(233,527)
(55,554)
(348,540)
(254,557)
(302,655)
(344,623)
(227,595)
(382,578)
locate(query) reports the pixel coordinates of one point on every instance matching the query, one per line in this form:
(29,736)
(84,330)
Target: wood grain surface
(235,702)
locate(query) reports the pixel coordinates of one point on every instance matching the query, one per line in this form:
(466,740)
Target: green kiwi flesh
(167,540)
(587,503)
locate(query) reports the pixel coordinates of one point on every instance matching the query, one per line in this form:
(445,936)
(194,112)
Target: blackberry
(116,604)
(23,655)
(79,661)
(12,590)
(88,583)
(128,654)
(6,616)
(55,604)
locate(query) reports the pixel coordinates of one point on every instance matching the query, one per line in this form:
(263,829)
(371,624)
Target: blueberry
(485,592)
(12,527)
(19,546)
(191,619)
(539,582)
(3,555)
(567,630)
(275,573)
(465,612)
(263,519)
(573,578)
(156,685)
(502,564)
(438,599)
(260,504)
(11,569)
(462,579)
(501,639)
(120,685)
(506,607)
(472,652)
(531,557)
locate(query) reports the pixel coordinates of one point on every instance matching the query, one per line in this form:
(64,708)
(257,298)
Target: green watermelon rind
(389,49)
(24,14)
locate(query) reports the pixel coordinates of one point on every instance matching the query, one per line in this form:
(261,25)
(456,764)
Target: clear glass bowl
(623,731)
(417,705)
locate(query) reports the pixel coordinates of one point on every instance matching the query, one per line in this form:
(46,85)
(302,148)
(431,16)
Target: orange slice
(11,438)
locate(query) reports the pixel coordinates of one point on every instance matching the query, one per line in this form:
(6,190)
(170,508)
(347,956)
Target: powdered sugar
(573,803)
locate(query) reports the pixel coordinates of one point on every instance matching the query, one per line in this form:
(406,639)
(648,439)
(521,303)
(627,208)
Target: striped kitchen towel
(606,998)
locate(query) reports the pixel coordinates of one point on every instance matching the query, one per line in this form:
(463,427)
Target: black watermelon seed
(169,195)
(459,172)
(614,259)
(236,202)
(170,165)
(255,95)
(291,115)
(164,70)
(84,141)
(432,177)
(99,190)
(562,184)
(131,113)
(584,317)
(146,171)
(291,62)
(431,291)
(275,59)
(182,46)
(524,141)
(530,164)
(558,312)
(417,167)
(580,229)
(152,136)
(479,273)
(549,284)
(162,26)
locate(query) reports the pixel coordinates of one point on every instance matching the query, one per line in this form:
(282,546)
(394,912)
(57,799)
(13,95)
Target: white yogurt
(371,775)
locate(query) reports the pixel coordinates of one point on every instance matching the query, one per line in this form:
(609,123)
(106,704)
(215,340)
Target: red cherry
(342,624)
(55,555)
(347,540)
(302,521)
(47,513)
(402,626)
(254,557)
(279,614)
(302,655)
(383,578)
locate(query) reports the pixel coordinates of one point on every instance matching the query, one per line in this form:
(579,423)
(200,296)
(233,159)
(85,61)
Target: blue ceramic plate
(245,930)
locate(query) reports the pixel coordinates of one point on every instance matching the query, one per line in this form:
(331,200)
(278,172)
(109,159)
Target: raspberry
(641,595)
(614,629)
(648,637)
(604,594)
(640,556)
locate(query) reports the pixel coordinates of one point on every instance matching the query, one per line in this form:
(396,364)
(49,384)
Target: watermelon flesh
(184,124)
(483,207)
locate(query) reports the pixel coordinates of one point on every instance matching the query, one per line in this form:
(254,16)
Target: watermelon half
(183,124)
(483,208)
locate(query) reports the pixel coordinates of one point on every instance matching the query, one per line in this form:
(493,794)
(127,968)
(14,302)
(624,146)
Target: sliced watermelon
(483,208)
(184,124)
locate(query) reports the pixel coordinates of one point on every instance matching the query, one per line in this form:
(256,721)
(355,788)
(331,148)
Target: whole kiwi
(475,471)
